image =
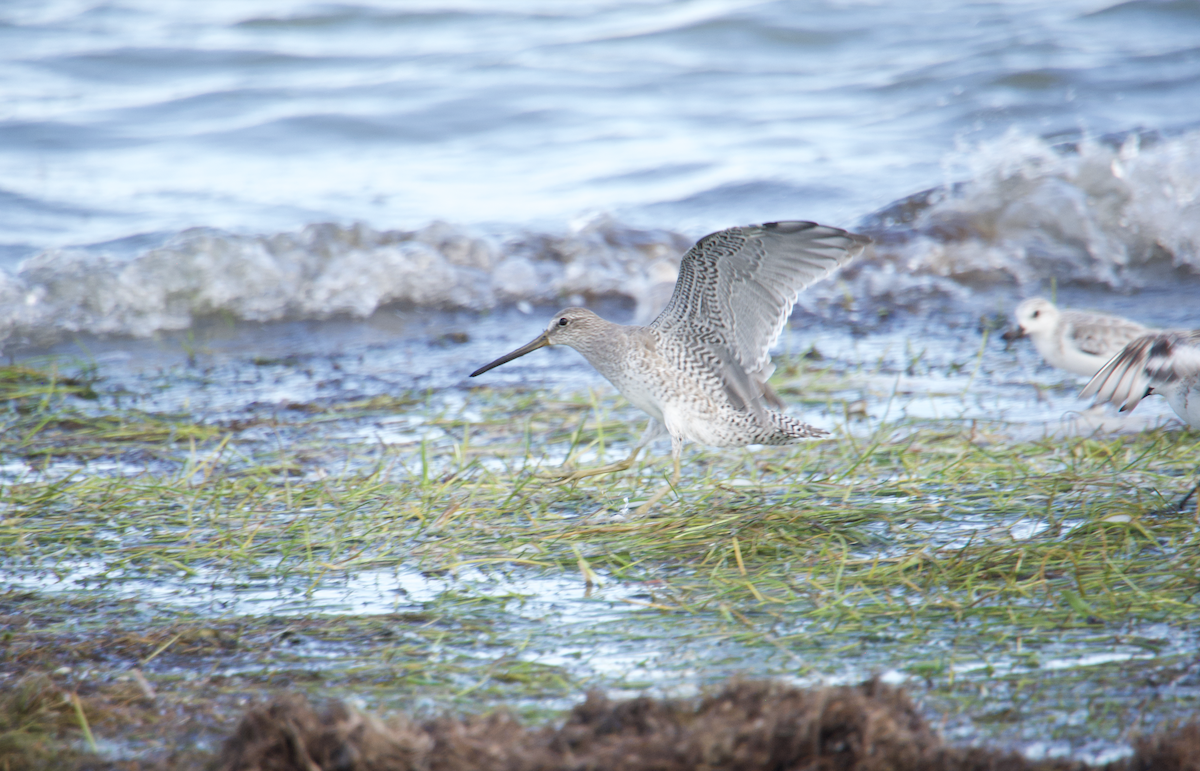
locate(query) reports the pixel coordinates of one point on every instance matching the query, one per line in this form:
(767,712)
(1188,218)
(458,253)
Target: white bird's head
(1035,317)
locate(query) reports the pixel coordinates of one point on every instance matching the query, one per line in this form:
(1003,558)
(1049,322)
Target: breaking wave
(323,271)
(1121,214)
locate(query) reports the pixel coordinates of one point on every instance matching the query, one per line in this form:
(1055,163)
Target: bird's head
(576,327)
(1034,317)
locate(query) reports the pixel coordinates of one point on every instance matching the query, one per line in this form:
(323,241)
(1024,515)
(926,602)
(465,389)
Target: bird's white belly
(1070,358)
(683,407)
(640,395)
(694,427)
(1185,400)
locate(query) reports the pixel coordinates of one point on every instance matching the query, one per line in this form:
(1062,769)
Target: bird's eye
(1036,314)
(562,322)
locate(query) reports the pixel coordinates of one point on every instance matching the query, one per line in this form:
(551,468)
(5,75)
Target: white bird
(700,369)
(1077,341)
(1166,363)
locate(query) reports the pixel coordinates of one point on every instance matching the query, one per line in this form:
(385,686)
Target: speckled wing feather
(736,289)
(1099,334)
(1153,361)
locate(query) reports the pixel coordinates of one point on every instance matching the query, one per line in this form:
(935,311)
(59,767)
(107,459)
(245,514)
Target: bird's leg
(1188,497)
(676,452)
(561,476)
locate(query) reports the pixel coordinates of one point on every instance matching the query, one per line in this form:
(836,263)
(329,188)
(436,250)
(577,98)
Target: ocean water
(272,160)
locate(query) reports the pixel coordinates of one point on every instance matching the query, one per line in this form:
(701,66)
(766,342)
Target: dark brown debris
(746,727)
(1173,751)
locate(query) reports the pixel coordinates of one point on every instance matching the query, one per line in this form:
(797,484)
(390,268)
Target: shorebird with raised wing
(1165,363)
(700,369)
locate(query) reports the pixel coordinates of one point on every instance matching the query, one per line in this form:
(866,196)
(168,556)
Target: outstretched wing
(736,289)
(1151,361)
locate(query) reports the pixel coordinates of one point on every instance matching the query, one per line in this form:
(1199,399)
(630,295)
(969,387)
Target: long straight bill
(540,341)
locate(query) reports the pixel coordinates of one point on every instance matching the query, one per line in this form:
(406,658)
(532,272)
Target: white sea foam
(320,272)
(1119,215)
(1099,213)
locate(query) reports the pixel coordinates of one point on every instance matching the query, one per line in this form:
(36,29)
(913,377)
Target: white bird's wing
(1152,361)
(1099,334)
